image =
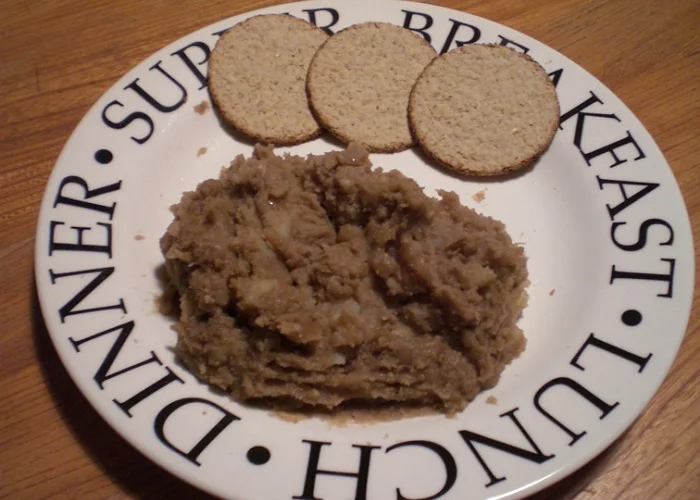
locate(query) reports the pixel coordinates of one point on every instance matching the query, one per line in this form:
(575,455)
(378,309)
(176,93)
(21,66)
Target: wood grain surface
(58,56)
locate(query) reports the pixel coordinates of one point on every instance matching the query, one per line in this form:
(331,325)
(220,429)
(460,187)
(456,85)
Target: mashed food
(319,282)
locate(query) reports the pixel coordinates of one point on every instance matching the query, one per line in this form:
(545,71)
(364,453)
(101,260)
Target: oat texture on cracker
(360,80)
(484,110)
(257,75)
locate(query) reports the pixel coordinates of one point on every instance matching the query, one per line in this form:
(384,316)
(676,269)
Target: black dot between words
(258,455)
(631,317)
(104,156)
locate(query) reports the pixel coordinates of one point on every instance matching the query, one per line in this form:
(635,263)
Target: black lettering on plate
(191,65)
(312,471)
(641,190)
(68,309)
(604,407)
(534,456)
(335,17)
(219,33)
(448,462)
(102,374)
(421,30)
(593,341)
(507,42)
(193,453)
(555,76)
(88,194)
(128,120)
(78,245)
(581,115)
(146,96)
(616,274)
(578,112)
(456,25)
(643,235)
(168,378)
(612,150)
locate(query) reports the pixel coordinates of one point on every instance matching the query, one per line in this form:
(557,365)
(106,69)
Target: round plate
(601,218)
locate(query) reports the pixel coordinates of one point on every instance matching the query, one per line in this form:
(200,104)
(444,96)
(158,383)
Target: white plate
(601,218)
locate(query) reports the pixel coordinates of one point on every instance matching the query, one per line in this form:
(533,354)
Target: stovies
(320,282)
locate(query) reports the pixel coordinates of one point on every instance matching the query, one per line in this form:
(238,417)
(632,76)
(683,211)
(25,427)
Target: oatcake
(320,282)
(359,82)
(484,110)
(257,75)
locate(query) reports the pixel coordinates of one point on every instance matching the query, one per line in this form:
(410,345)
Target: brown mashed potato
(318,282)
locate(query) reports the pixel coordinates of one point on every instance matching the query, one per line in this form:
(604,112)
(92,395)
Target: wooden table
(58,56)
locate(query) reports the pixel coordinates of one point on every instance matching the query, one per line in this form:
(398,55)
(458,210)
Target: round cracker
(484,110)
(257,77)
(360,80)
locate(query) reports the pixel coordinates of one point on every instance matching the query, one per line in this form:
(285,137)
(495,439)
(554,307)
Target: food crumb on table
(492,400)
(201,151)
